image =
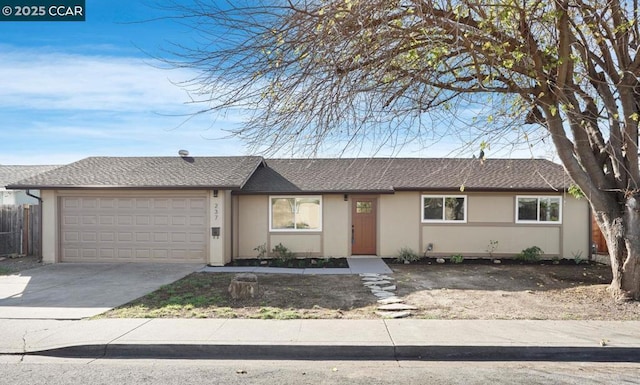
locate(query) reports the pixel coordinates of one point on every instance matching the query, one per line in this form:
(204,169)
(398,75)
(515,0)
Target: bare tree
(324,71)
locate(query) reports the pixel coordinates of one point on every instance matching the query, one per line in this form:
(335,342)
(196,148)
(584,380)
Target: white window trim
(537,220)
(443,196)
(271,197)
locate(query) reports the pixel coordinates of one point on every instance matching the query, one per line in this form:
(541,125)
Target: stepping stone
(386,277)
(383,294)
(369,275)
(376,283)
(392,287)
(370,279)
(390,300)
(397,307)
(393,314)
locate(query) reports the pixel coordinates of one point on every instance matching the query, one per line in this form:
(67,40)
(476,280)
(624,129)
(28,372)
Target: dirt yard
(468,291)
(9,265)
(449,291)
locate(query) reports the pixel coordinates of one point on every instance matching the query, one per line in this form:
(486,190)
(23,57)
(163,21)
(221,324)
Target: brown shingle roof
(391,174)
(253,174)
(148,172)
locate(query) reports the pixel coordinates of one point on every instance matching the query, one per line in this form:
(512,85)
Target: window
(296,213)
(364,208)
(538,209)
(444,208)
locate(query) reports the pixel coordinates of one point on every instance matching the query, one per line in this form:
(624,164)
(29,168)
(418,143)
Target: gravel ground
(10,265)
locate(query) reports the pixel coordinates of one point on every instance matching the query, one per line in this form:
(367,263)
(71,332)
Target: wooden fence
(20,230)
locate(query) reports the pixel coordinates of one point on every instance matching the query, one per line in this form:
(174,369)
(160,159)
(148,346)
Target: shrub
(530,254)
(407,254)
(262,250)
(577,257)
(456,258)
(282,253)
(492,247)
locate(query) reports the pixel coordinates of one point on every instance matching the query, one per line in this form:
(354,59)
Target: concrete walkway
(357,265)
(439,340)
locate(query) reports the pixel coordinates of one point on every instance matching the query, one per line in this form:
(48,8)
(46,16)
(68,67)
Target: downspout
(231,224)
(590,237)
(40,224)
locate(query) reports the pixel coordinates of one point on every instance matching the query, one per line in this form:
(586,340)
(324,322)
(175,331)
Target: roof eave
(485,189)
(311,192)
(122,187)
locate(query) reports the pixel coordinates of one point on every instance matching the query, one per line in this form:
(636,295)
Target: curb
(350,352)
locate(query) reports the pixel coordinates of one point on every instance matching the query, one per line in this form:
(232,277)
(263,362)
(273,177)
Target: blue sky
(69,90)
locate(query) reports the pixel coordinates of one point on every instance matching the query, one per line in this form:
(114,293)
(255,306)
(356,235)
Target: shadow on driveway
(81,290)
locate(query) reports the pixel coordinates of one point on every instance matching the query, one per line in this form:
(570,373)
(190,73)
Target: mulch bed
(300,263)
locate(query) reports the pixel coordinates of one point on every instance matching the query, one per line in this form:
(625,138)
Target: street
(33,370)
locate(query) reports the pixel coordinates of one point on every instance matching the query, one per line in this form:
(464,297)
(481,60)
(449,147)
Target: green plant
(492,247)
(575,191)
(577,257)
(282,253)
(555,260)
(530,254)
(456,258)
(262,250)
(406,255)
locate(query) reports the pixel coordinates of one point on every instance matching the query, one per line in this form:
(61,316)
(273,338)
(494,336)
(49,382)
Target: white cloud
(33,79)
(60,107)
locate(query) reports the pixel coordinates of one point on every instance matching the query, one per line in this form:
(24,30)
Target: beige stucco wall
(491,216)
(398,222)
(336,234)
(246,225)
(220,216)
(303,244)
(470,240)
(576,239)
(49,226)
(494,208)
(252,224)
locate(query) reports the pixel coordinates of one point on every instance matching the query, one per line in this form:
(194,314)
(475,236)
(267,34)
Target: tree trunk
(622,233)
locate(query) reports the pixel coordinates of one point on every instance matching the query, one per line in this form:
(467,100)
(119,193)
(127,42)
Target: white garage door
(133,229)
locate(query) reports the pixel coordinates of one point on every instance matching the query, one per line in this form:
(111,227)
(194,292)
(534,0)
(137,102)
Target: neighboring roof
(148,172)
(10,174)
(393,174)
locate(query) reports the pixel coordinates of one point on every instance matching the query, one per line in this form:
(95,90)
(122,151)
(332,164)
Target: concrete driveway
(80,290)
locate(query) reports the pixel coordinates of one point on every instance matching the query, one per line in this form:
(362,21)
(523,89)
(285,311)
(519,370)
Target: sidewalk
(402,339)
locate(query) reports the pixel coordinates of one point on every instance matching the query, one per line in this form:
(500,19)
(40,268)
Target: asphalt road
(55,371)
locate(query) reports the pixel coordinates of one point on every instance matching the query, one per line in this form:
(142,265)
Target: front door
(363,226)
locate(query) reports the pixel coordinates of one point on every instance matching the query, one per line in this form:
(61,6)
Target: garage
(133,228)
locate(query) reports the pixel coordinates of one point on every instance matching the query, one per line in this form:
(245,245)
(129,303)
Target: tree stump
(244,286)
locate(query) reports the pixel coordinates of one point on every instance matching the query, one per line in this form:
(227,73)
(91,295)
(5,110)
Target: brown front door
(363,226)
